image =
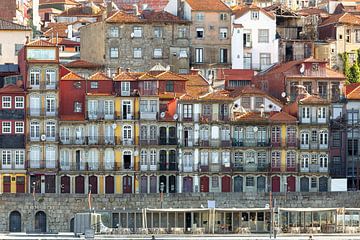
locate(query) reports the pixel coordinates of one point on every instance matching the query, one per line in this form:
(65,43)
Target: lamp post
(286,189)
(162,185)
(33,210)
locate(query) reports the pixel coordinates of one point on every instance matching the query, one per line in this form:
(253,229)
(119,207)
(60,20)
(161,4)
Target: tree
(346,67)
(355,73)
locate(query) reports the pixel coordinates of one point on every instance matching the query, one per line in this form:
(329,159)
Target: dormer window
(315,67)
(255,15)
(169,86)
(125,88)
(94,85)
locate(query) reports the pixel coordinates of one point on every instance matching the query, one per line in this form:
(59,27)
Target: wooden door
(127,184)
(6,184)
(323,184)
(79,184)
(261,182)
(204,184)
(153,184)
(40,222)
(65,184)
(143,184)
(109,184)
(238,184)
(93,180)
(188,184)
(49,183)
(275,184)
(304,184)
(15,222)
(291,184)
(226,184)
(20,184)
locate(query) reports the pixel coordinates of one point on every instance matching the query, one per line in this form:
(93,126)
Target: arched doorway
(93,180)
(79,184)
(304,184)
(291,184)
(40,221)
(187,184)
(275,184)
(238,184)
(109,184)
(15,222)
(225,184)
(323,184)
(65,184)
(204,184)
(72,225)
(127,184)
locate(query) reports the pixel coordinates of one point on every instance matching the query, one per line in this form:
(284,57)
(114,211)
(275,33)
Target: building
(39,65)
(84,68)
(340,34)
(14,11)
(137,41)
(12,38)
(210,33)
(284,81)
(234,78)
(12,139)
(254,42)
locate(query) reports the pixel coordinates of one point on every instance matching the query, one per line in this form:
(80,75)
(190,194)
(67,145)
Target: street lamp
(286,189)
(33,210)
(162,186)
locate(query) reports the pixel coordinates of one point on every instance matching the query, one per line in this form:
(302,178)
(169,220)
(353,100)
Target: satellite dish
(270,106)
(256,129)
(132,35)
(43,137)
(302,68)
(114,126)
(262,106)
(283,94)
(136,153)
(175,117)
(162,114)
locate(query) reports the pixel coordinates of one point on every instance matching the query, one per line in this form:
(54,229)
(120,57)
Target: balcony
(13,166)
(42,164)
(96,115)
(148,115)
(171,166)
(43,86)
(167,141)
(243,143)
(204,168)
(43,138)
(41,112)
(146,142)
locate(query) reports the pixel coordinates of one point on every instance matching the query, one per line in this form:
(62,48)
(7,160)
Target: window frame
(8,128)
(6,104)
(114,52)
(19,102)
(21,127)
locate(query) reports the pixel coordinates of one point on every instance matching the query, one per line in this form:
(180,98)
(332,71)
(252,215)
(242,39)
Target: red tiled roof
(11,88)
(156,5)
(89,11)
(72,77)
(123,17)
(125,76)
(208,5)
(162,16)
(313,99)
(7,25)
(282,117)
(344,18)
(253,117)
(240,10)
(147,77)
(235,74)
(58,30)
(98,76)
(312,11)
(352,91)
(219,95)
(170,76)
(64,41)
(40,43)
(81,64)
(67,2)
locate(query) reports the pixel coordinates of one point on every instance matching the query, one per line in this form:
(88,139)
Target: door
(172,136)
(162,135)
(143,184)
(126,110)
(153,184)
(79,184)
(323,184)
(15,222)
(35,106)
(93,182)
(275,184)
(40,222)
(20,184)
(188,184)
(163,181)
(109,184)
(225,184)
(6,184)
(261,184)
(78,160)
(127,184)
(127,160)
(204,184)
(92,109)
(172,184)
(65,184)
(49,183)
(238,184)
(304,184)
(291,184)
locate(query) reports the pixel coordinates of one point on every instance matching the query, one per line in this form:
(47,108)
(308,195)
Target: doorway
(15,222)
(127,160)
(188,221)
(40,222)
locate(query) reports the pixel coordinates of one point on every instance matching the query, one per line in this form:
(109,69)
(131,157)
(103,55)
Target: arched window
(291,135)
(153,157)
(34,131)
(304,138)
(143,157)
(35,77)
(305,161)
(93,159)
(323,161)
(109,159)
(50,130)
(127,134)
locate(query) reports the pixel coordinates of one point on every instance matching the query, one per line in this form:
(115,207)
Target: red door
(20,184)
(204,184)
(225,184)
(275,185)
(291,184)
(79,184)
(93,180)
(6,184)
(65,184)
(127,184)
(109,184)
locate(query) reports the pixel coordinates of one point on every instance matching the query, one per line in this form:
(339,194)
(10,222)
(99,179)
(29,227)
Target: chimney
(119,70)
(27,40)
(136,10)
(127,69)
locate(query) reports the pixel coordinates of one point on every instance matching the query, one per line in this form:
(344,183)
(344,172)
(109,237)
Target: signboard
(211,204)
(339,185)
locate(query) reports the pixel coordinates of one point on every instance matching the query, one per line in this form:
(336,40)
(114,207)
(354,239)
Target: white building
(254,43)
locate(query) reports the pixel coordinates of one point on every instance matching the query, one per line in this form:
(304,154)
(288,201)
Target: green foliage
(352,73)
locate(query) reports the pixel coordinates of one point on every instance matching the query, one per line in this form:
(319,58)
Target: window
(275,159)
(127,132)
(247,60)
(304,138)
(259,102)
(305,161)
(250,181)
(114,32)
(223,55)
(94,84)
(19,127)
(305,113)
(250,157)
(137,32)
(225,133)
(215,181)
(183,53)
(314,159)
(265,60)
(308,87)
(6,157)
(290,159)
(182,32)
(336,138)
(357,35)
(199,55)
(199,16)
(153,132)
(18,47)
(50,105)
(19,157)
(313,182)
(223,33)
(199,32)
(262,158)
(187,111)
(348,36)
(6,102)
(6,127)
(238,158)
(215,157)
(263,35)
(225,158)
(50,77)
(77,107)
(314,136)
(322,112)
(147,85)
(254,15)
(114,52)
(19,102)
(50,130)
(323,89)
(206,109)
(323,161)
(143,157)
(323,138)
(143,132)
(223,16)
(157,53)
(152,157)
(204,157)
(34,131)
(352,150)
(169,86)
(157,32)
(137,53)
(204,133)
(275,134)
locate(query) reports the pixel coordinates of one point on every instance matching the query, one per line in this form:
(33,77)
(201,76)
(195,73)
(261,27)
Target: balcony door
(126,110)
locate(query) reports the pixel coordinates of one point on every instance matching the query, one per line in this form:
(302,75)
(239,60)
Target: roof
(89,11)
(57,30)
(208,5)
(241,10)
(343,18)
(11,88)
(67,2)
(167,75)
(235,74)
(81,64)
(123,17)
(282,117)
(251,117)
(196,86)
(313,99)
(7,25)
(72,77)
(99,76)
(146,16)
(147,77)
(219,95)
(156,5)
(40,43)
(352,91)
(312,11)
(64,41)
(125,76)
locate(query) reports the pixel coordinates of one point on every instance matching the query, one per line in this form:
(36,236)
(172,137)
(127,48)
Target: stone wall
(60,208)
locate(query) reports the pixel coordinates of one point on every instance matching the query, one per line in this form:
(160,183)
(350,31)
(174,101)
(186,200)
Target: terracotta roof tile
(251,117)
(344,18)
(162,16)
(243,9)
(170,76)
(89,11)
(147,77)
(40,43)
(208,5)
(312,11)
(313,99)
(219,95)
(7,25)
(352,91)
(156,5)
(11,88)
(235,74)
(195,80)
(72,77)
(123,17)
(282,117)
(125,76)
(81,64)
(67,2)
(58,30)
(99,76)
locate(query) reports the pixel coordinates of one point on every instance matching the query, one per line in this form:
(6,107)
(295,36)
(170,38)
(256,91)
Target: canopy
(307,209)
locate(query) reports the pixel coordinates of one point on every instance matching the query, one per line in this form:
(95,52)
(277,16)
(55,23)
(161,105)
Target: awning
(307,209)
